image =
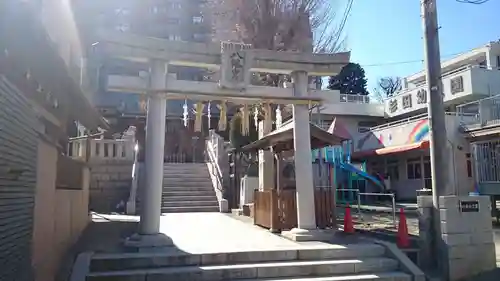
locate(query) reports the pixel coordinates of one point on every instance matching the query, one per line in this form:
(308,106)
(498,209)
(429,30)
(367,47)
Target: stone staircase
(187,187)
(349,262)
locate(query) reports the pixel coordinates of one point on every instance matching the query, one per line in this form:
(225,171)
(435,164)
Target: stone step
(185,168)
(183,177)
(177,257)
(187,182)
(385,276)
(189,209)
(189,193)
(193,177)
(256,270)
(197,164)
(197,203)
(174,198)
(188,188)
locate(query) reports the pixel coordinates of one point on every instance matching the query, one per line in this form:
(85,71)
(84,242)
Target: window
(413,169)
(393,169)
(427,170)
(197,19)
(469,165)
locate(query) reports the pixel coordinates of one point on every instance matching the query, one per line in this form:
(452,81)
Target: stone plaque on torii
(235,63)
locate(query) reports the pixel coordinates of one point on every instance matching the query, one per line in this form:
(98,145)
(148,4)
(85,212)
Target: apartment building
(186,20)
(393,137)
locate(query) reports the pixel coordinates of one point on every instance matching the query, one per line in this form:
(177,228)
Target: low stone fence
(110,163)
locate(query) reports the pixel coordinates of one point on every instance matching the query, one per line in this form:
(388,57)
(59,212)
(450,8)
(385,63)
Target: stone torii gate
(235,63)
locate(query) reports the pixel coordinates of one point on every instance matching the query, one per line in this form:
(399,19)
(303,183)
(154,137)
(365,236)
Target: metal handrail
(358,199)
(216,170)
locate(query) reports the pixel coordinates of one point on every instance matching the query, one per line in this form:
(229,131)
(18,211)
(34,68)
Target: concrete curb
(406,264)
(81,267)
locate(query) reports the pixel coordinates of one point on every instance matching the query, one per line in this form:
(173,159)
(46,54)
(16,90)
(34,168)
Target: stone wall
(110,183)
(466,245)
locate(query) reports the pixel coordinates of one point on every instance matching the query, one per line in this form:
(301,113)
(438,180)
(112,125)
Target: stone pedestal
(466,243)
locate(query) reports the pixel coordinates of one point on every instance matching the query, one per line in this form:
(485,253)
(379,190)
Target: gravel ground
(380,221)
(383,222)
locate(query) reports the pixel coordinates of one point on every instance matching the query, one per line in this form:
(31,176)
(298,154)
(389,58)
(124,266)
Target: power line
(408,61)
(347,12)
(476,2)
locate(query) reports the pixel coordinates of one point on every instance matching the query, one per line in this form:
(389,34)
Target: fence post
(358,195)
(393,209)
(274,212)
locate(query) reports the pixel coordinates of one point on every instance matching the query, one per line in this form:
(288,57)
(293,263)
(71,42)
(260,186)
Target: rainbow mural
(419,132)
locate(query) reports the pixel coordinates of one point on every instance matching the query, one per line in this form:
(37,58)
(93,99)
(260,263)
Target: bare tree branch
(300,25)
(388,86)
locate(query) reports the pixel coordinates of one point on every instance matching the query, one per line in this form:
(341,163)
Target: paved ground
(198,233)
(216,232)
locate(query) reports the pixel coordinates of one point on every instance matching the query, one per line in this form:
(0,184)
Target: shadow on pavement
(493,275)
(102,235)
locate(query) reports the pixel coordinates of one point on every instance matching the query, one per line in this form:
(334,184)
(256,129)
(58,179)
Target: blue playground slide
(353,169)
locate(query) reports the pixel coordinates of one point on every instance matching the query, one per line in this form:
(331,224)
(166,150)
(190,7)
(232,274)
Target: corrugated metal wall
(18,154)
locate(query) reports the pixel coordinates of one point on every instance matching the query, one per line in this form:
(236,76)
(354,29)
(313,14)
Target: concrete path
(215,232)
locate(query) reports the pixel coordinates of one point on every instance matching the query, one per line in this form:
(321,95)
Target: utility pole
(438,140)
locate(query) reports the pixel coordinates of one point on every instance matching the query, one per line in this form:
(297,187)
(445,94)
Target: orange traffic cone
(348,225)
(403,238)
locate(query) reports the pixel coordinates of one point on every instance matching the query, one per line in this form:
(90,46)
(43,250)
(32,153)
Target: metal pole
(359,203)
(436,116)
(393,198)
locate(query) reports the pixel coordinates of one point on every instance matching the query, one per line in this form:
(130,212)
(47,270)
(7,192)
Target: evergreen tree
(351,80)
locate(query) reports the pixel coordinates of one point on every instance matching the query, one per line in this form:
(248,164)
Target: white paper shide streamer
(185,114)
(209,115)
(198,122)
(256,117)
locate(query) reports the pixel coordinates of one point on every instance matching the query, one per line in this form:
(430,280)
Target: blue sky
(380,32)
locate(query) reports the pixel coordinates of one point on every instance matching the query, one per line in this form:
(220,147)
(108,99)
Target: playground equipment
(342,173)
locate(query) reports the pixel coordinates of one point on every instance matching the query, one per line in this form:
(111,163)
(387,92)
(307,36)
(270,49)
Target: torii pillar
(149,227)
(306,229)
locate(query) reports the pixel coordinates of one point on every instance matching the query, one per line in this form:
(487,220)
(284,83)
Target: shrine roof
(282,139)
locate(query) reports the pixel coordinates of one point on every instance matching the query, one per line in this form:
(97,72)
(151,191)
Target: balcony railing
(483,112)
(354,98)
